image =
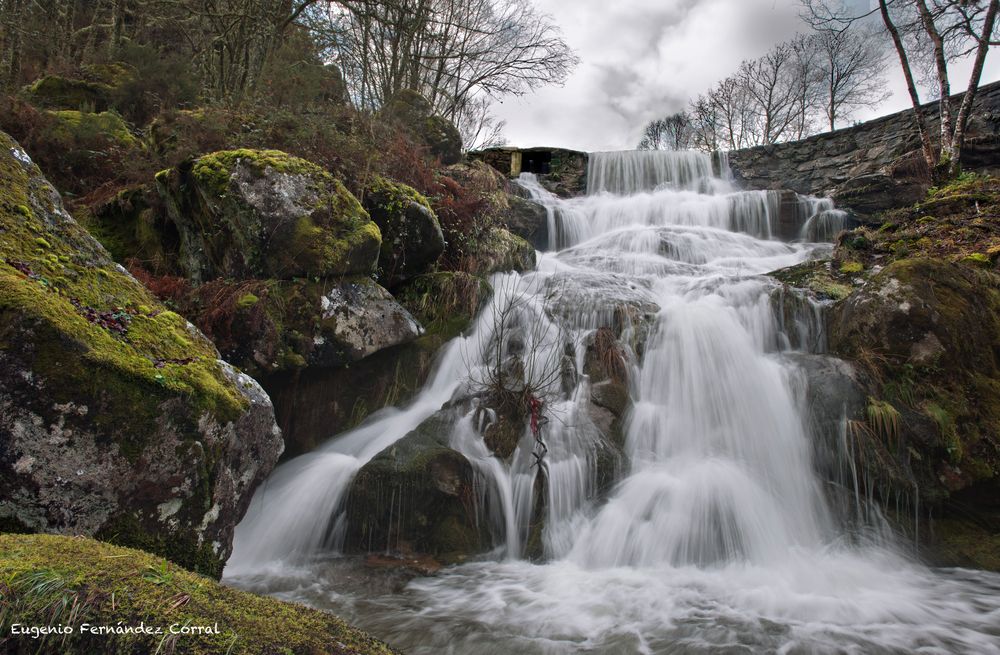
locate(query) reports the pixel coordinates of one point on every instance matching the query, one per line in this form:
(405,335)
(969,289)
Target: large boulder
(934,328)
(265,214)
(117,417)
(411,235)
(93,89)
(268,326)
(499,250)
(418,496)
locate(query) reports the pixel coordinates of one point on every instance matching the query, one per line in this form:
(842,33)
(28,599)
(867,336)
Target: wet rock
(117,419)
(931,329)
(417,496)
(528,220)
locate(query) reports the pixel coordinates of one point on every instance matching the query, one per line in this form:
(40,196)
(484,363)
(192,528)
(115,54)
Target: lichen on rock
(113,406)
(265,214)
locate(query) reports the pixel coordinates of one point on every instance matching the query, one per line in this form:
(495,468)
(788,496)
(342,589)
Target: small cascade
(727,511)
(823,221)
(633,171)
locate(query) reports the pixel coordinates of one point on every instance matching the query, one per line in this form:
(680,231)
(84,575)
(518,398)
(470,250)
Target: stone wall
(871,166)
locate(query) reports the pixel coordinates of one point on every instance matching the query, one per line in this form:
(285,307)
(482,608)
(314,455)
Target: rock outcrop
(917,310)
(117,417)
(418,496)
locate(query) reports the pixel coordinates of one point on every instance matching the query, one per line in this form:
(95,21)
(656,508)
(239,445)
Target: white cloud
(646,58)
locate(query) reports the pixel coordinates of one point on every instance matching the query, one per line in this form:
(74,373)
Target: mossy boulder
(57,92)
(51,580)
(411,235)
(499,251)
(264,214)
(117,416)
(418,496)
(72,127)
(933,329)
(93,88)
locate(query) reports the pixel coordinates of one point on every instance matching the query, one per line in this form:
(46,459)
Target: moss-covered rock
(418,496)
(117,416)
(71,126)
(500,250)
(265,214)
(411,235)
(268,326)
(52,580)
(57,92)
(931,328)
(92,89)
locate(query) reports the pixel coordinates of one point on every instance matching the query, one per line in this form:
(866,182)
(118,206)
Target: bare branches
(821,78)
(460,55)
(928,35)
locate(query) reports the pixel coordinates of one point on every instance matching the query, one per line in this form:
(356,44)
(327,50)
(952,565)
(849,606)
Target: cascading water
(719,535)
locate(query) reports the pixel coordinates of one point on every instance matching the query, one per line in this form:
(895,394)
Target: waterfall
(719,532)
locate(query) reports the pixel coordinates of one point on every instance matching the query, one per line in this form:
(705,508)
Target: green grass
(50,581)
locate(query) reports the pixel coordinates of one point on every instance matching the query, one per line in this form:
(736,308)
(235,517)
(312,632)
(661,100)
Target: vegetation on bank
(53,581)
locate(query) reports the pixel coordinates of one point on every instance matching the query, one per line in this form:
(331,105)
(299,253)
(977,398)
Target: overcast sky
(640,59)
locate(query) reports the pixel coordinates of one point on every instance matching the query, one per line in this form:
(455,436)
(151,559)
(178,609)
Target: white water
(718,538)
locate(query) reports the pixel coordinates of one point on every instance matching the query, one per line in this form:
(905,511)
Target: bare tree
(852,66)
(673,132)
(931,33)
(459,54)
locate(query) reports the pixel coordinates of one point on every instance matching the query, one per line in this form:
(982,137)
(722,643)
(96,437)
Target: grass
(49,581)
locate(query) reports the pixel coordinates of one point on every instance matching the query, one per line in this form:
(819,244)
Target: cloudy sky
(646,58)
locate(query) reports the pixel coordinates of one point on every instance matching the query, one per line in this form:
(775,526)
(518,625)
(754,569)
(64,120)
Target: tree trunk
(13,71)
(118,12)
(944,86)
(911,87)
(955,165)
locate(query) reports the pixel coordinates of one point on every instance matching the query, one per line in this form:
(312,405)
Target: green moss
(73,127)
(65,93)
(395,196)
(334,236)
(247,300)
(851,267)
(105,585)
(79,358)
(215,169)
(818,278)
(977,259)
